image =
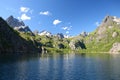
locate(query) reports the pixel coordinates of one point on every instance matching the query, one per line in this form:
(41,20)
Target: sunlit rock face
(115,48)
(77,44)
(60,35)
(45,33)
(17,24)
(13,22)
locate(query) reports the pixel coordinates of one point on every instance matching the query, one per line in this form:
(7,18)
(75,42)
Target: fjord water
(60,67)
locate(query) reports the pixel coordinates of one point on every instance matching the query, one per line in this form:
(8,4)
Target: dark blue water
(60,67)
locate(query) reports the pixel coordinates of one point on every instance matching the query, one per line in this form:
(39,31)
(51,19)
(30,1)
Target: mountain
(105,37)
(59,35)
(49,34)
(23,29)
(13,22)
(84,34)
(12,42)
(17,25)
(45,33)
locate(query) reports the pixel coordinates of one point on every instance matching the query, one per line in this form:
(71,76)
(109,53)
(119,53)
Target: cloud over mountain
(25,17)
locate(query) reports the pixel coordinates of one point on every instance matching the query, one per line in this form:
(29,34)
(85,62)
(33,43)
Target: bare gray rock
(115,48)
(107,21)
(23,29)
(84,34)
(60,35)
(17,24)
(115,34)
(13,22)
(77,44)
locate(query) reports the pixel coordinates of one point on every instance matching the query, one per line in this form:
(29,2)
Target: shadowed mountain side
(10,40)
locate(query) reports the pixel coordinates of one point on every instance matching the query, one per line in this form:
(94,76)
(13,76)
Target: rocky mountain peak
(84,34)
(44,32)
(106,23)
(10,17)
(17,24)
(108,19)
(60,35)
(13,22)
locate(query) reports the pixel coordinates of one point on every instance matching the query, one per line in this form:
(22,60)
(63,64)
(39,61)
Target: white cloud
(25,17)
(46,13)
(24,9)
(55,22)
(64,28)
(97,23)
(67,32)
(67,28)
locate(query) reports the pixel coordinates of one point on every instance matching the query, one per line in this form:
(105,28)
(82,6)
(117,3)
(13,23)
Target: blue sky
(60,16)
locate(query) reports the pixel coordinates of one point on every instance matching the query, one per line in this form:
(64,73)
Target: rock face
(115,34)
(23,29)
(60,35)
(66,36)
(107,21)
(17,25)
(60,46)
(45,33)
(77,44)
(11,42)
(13,22)
(115,48)
(84,34)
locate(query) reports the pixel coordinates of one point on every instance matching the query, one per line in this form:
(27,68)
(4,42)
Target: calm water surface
(60,67)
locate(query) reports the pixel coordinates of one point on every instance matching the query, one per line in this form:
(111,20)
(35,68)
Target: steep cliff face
(10,41)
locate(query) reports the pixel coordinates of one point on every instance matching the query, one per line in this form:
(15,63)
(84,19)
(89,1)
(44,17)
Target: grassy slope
(104,44)
(93,46)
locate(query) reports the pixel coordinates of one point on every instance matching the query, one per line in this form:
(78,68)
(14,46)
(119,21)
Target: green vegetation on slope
(101,40)
(11,41)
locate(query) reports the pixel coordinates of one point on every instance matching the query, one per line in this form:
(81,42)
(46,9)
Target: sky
(70,17)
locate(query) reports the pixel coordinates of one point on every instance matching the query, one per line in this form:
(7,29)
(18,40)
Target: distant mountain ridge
(106,38)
